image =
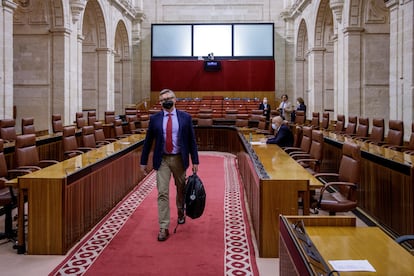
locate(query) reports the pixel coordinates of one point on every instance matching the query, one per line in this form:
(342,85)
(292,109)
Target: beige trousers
(171,164)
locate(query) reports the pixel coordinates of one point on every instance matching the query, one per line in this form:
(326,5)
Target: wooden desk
(363,243)
(335,240)
(386,189)
(274,183)
(272,180)
(67,199)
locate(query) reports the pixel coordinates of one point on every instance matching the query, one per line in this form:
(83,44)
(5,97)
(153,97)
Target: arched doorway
(301,64)
(95,60)
(321,61)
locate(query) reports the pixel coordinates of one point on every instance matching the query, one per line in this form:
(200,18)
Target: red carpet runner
(218,243)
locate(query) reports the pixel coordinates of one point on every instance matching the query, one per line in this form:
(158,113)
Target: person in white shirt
(265,106)
(285,107)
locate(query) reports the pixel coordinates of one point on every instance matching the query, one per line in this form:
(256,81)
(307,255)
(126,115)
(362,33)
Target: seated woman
(283,135)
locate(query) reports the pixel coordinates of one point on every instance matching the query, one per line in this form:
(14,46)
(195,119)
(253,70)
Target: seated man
(283,135)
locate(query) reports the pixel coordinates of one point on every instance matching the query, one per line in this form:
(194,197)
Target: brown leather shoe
(163,234)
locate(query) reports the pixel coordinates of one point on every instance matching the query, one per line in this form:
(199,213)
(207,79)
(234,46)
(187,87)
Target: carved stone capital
(139,16)
(336,7)
(391,4)
(77,6)
(9,4)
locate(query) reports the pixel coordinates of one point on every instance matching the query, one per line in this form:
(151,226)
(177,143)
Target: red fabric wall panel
(235,75)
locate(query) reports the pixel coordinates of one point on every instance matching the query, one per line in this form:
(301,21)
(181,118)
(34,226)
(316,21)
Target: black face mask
(167,104)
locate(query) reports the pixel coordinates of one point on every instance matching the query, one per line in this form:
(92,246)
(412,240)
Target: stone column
(60,73)
(106,97)
(126,90)
(338,77)
(76,91)
(6,58)
(73,99)
(350,101)
(316,78)
(401,80)
(338,89)
(300,83)
(138,59)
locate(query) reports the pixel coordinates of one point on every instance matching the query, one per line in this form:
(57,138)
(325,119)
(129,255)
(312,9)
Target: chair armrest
(289,149)
(122,136)
(410,152)
(30,168)
(394,147)
(326,175)
(404,238)
(4,191)
(378,143)
(111,139)
(46,163)
(13,173)
(361,138)
(75,152)
(296,152)
(336,183)
(302,155)
(102,143)
(134,131)
(321,177)
(307,160)
(3,181)
(139,131)
(84,149)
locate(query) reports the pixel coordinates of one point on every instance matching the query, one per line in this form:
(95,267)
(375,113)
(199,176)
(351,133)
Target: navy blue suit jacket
(267,114)
(186,139)
(283,138)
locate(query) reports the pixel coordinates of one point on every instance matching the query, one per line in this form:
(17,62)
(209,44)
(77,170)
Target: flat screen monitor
(212,65)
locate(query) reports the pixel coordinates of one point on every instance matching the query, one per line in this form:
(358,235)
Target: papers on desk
(257,143)
(352,265)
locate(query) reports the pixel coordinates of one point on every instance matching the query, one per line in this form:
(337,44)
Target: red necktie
(168,142)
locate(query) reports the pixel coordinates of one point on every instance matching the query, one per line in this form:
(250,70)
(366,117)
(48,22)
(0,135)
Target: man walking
(173,133)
